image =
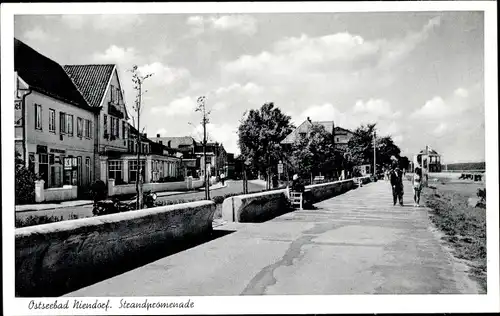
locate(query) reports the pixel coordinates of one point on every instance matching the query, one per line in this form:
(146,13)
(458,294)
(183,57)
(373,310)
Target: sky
(419,76)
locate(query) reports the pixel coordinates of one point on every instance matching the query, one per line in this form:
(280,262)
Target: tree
(138,80)
(360,147)
(260,135)
(314,153)
(25,182)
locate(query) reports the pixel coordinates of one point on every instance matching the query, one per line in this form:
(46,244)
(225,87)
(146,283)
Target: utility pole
(138,81)
(201,108)
(374,154)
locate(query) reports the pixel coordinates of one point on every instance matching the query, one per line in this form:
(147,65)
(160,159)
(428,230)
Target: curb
(52,208)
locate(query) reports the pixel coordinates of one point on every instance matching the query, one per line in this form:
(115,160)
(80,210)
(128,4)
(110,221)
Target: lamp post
(374,154)
(202,109)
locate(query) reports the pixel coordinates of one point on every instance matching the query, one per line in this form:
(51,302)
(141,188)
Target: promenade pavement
(354,243)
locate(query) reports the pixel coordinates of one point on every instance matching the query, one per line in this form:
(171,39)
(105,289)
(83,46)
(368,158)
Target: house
(54,123)
(340,136)
(216,158)
(428,159)
(116,144)
(185,145)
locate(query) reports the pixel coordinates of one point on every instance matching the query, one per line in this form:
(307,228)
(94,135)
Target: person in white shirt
(417,186)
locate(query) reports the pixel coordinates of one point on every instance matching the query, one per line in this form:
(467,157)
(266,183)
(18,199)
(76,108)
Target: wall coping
(69,225)
(327,183)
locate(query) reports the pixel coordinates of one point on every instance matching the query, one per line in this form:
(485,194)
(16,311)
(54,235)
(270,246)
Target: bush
(218,199)
(25,186)
(37,220)
(99,190)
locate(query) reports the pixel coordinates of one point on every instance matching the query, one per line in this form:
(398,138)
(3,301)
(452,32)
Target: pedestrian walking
(222,178)
(417,186)
(397,184)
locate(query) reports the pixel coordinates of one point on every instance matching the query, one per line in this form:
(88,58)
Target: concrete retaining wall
(52,259)
(325,191)
(257,207)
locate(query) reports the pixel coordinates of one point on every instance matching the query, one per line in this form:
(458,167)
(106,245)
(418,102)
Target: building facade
(54,125)
(340,136)
(185,145)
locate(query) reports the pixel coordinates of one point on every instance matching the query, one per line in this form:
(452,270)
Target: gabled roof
(429,152)
(290,138)
(328,125)
(91,80)
(175,142)
(46,76)
(342,130)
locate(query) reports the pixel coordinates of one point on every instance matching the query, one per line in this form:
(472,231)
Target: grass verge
(463,225)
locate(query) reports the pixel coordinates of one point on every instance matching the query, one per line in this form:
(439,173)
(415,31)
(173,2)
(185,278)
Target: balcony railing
(114,110)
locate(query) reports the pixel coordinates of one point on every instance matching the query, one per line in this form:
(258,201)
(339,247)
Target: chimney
(157,135)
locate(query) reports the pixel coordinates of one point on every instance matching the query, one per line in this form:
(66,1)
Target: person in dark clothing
(297,186)
(274,180)
(397,185)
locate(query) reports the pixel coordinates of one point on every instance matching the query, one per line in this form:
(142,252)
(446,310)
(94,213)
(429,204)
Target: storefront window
(132,167)
(115,170)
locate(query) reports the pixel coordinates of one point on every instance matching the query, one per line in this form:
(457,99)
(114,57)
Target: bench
(296,198)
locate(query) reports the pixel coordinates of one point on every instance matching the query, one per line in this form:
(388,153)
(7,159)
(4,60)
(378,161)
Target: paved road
(355,243)
(86,210)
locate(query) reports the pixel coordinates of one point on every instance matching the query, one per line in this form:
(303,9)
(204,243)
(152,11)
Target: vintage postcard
(228,158)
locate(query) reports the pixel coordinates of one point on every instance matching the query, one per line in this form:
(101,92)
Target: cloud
(222,133)
(434,108)
(239,23)
(461,92)
(339,51)
(181,106)
(440,129)
(324,112)
(376,108)
(250,88)
(242,24)
(162,74)
(117,55)
(103,22)
(37,34)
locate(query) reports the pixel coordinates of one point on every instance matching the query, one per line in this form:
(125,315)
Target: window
(115,170)
(69,124)
(105,126)
(38,116)
(88,129)
(117,128)
(118,95)
(113,97)
(79,127)
(52,120)
(124,130)
(132,167)
(62,122)
(89,172)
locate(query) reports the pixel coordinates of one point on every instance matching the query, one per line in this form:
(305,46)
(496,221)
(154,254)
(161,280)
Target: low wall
(67,192)
(255,207)
(323,191)
(123,189)
(55,258)
(258,207)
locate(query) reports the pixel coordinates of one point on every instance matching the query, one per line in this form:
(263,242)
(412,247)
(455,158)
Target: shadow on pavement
(92,276)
